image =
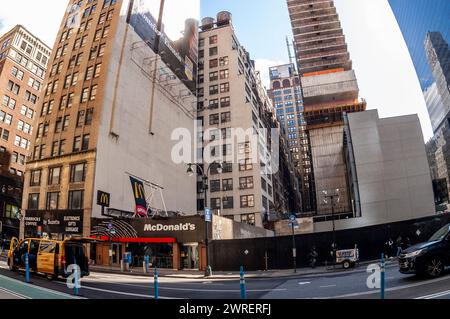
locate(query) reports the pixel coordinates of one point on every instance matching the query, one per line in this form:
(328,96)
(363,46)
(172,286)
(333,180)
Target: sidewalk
(285,273)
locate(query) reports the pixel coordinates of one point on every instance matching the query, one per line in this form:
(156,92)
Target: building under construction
(330,89)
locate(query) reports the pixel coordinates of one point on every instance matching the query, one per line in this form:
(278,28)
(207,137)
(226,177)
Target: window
(246,182)
(54,174)
(13,87)
(248,219)
(33,201)
(227,149)
(226,117)
(80,118)
(85,142)
(77,144)
(101,51)
(213,104)
(98,68)
(58,125)
(215,186)
(213,76)
(215,203)
(227,184)
(89,72)
(228,202)
(35,178)
(213,63)
(213,89)
(245,165)
(52,201)
(76,199)
(89,115)
(213,119)
(213,39)
(225,102)
(225,87)
(213,51)
(224,74)
(93,92)
(224,61)
(85,95)
(11,211)
(66,122)
(77,173)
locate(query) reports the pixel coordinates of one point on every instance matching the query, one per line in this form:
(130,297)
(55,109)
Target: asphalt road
(347,285)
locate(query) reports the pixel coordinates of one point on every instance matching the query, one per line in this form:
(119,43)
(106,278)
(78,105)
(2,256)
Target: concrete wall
(125,144)
(392,170)
(225,228)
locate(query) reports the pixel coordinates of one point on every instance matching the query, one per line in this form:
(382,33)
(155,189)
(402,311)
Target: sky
(386,75)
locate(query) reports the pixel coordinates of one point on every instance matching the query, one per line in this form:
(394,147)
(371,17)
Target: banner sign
(139,198)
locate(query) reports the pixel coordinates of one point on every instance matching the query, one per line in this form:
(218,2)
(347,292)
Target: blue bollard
(147,263)
(156,283)
(76,276)
(27,268)
(242,284)
(382,278)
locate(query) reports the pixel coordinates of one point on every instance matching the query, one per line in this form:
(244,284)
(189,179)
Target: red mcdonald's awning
(137,240)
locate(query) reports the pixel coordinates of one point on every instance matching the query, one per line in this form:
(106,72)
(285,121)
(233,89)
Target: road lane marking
(328,286)
(377,291)
(304,283)
(123,293)
(435,295)
(143,285)
(12,293)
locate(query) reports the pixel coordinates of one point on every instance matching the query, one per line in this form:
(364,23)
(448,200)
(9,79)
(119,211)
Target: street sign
(112,231)
(208,216)
(110,226)
(293,218)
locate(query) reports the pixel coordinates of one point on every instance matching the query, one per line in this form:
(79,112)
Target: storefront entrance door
(189,256)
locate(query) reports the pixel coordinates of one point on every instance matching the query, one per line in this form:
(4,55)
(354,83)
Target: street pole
(334,231)
(110,250)
(205,189)
(294,249)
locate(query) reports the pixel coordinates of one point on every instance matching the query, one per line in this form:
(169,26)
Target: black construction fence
(253,254)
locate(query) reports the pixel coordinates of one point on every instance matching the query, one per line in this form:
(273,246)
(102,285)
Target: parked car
(429,258)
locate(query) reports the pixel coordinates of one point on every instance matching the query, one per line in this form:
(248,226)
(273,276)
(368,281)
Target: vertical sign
(139,198)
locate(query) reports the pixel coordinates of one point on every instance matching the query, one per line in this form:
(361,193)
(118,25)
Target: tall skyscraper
(419,21)
(438,55)
(231,97)
(23,61)
(116,92)
(286,95)
(329,88)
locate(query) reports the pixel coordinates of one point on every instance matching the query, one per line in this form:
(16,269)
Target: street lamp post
(331,197)
(190,171)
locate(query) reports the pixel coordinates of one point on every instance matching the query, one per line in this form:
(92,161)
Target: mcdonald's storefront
(174,243)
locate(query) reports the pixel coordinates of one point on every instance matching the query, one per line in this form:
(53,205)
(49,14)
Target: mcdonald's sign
(103,199)
(139,197)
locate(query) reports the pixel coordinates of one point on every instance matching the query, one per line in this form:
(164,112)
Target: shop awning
(137,240)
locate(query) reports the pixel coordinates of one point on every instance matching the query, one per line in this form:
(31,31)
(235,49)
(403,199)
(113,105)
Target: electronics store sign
(55,222)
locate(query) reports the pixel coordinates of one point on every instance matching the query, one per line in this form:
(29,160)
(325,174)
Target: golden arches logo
(139,190)
(104,199)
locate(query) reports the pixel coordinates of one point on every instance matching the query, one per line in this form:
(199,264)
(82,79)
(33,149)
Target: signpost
(208,215)
(293,223)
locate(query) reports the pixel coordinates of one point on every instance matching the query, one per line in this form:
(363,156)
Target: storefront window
(11,211)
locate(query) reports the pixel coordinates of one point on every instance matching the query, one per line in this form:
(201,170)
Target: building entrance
(189,256)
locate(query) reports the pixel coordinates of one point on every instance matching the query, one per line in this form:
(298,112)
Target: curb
(331,272)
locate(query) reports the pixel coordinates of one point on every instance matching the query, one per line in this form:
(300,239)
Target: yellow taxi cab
(49,257)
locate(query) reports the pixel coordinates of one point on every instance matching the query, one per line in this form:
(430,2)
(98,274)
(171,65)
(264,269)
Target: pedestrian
(389,248)
(400,244)
(313,255)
